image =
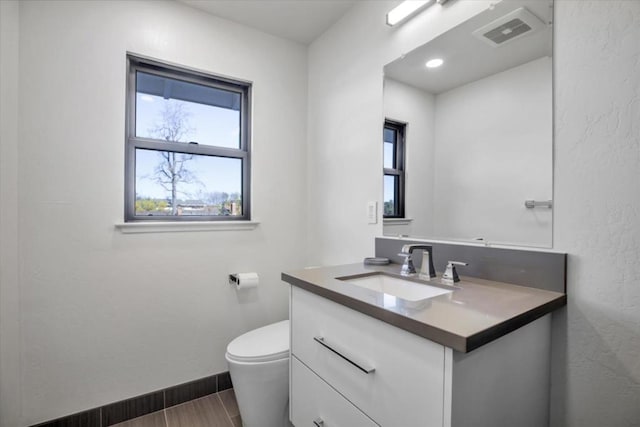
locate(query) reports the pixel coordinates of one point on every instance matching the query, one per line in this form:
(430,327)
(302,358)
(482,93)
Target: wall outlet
(372,212)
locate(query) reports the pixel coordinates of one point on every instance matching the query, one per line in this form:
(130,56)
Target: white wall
(416,108)
(596,347)
(105,316)
(494,149)
(596,372)
(90,293)
(9,290)
(345,119)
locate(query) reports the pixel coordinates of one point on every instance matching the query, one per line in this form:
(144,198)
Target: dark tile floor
(215,410)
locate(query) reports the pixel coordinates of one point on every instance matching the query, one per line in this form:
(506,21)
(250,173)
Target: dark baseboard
(134,407)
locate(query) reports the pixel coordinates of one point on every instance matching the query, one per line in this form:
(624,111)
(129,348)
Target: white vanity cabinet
(405,387)
(349,369)
(315,403)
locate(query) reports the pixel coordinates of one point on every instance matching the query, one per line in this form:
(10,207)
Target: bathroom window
(187,148)
(393,168)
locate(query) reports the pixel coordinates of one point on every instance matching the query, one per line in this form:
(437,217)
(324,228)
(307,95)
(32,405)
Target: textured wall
(596,347)
(9,289)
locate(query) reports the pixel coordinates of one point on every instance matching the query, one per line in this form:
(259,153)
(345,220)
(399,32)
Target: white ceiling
(298,20)
(469,59)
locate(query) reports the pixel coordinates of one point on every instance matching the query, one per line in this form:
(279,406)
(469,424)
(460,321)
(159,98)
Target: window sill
(178,227)
(397,221)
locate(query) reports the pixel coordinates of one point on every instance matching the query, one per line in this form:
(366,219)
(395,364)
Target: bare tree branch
(172,170)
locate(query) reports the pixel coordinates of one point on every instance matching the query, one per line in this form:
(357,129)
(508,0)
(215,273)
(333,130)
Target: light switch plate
(372,212)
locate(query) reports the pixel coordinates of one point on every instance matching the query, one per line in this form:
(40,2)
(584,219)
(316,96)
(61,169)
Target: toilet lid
(270,342)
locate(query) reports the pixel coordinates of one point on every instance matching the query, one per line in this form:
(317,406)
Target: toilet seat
(264,344)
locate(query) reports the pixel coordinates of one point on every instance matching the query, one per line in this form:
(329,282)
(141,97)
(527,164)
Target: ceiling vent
(510,27)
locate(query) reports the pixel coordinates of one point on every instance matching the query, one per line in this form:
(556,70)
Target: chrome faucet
(427,269)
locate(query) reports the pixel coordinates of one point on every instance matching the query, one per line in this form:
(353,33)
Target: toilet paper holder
(244,280)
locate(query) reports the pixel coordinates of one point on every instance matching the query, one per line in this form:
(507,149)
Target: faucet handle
(450,274)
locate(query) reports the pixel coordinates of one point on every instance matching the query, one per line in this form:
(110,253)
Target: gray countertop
(478,311)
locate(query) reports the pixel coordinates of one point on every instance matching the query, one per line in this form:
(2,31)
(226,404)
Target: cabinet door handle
(318,422)
(364,367)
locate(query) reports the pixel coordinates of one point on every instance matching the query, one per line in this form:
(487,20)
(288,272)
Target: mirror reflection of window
(393,168)
(479,100)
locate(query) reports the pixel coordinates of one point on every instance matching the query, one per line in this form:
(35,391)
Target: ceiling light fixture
(405,10)
(434,63)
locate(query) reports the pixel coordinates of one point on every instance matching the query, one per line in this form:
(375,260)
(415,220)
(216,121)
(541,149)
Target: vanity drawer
(313,401)
(405,386)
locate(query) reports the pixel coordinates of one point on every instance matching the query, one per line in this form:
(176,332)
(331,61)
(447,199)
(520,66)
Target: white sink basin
(405,289)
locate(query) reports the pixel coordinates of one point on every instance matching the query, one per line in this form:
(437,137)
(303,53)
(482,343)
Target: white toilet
(259,367)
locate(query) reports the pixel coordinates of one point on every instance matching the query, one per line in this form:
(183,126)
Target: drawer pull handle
(362,366)
(318,422)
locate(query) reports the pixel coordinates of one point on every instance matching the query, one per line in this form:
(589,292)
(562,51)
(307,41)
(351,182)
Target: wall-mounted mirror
(468,139)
